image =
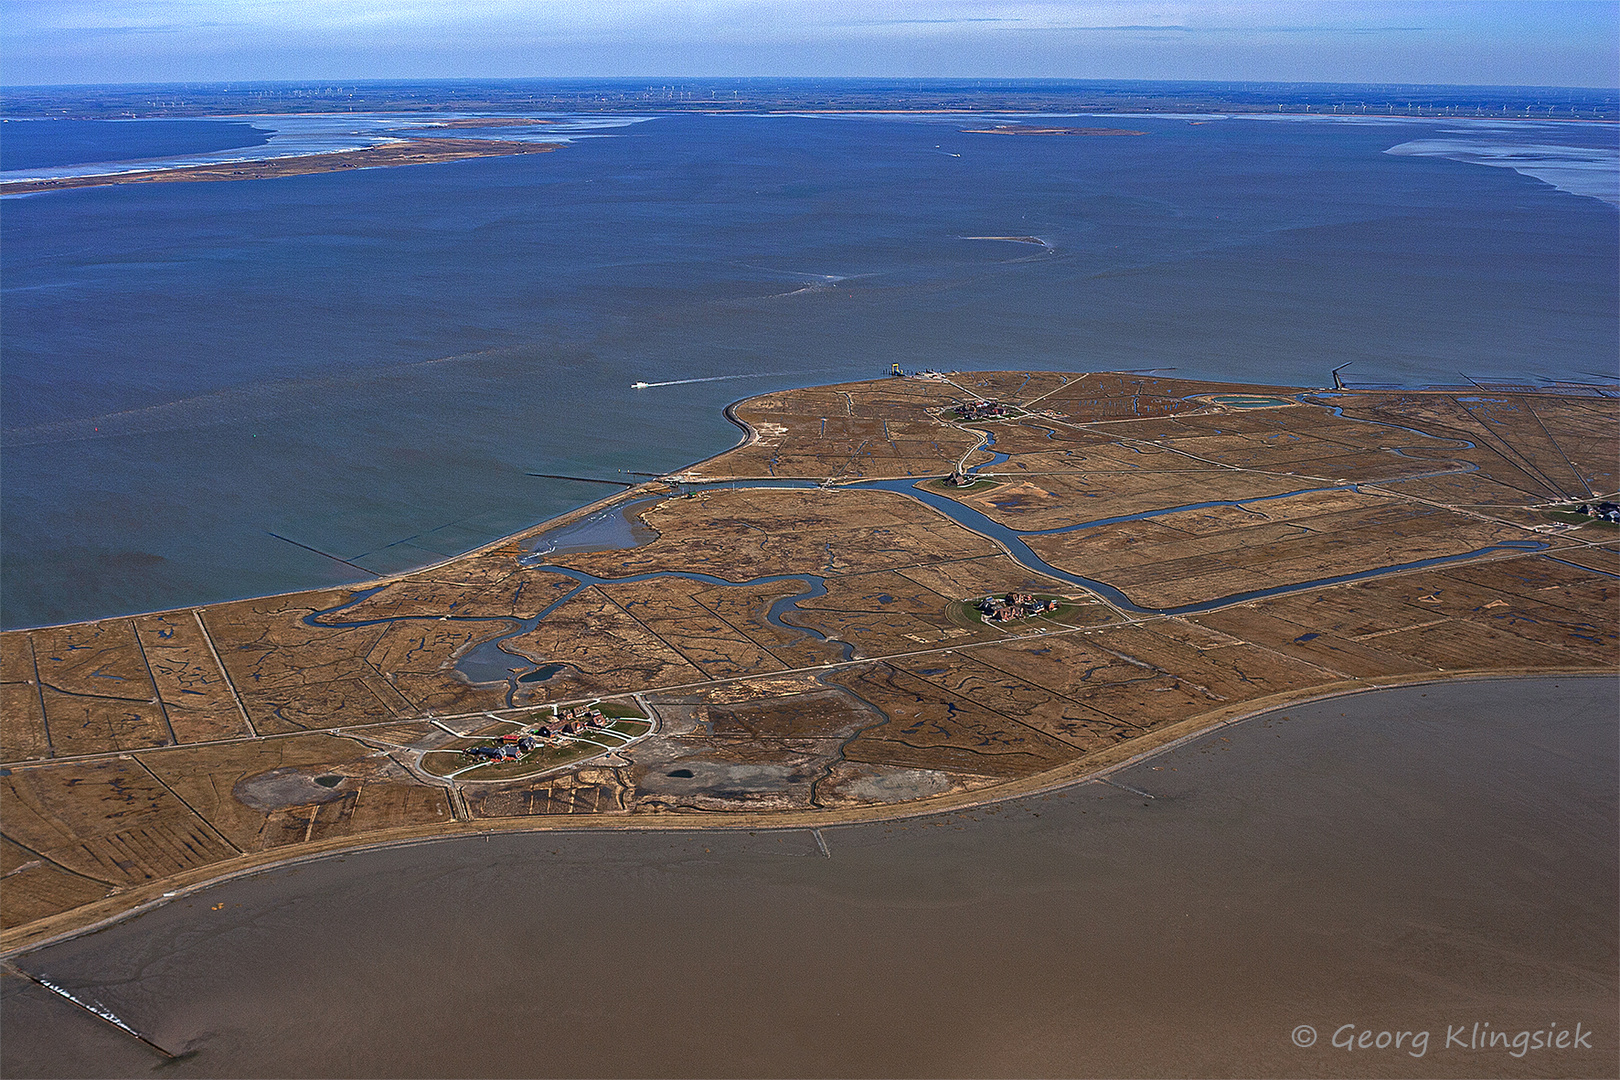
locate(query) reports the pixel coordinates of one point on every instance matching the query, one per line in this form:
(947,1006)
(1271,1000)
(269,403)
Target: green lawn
(445,762)
(1573,518)
(537,761)
(628,723)
(566,752)
(622,710)
(963,612)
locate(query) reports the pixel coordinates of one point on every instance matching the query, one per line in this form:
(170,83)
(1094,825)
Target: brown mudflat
(825,668)
(1413,860)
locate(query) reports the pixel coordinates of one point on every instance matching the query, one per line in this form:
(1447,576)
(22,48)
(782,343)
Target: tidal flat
(1414,859)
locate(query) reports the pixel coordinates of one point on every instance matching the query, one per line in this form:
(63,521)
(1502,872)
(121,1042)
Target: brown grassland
(1397,537)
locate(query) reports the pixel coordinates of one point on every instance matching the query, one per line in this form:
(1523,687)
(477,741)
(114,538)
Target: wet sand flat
(1420,859)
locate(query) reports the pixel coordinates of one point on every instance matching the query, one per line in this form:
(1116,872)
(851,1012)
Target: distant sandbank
(1025,129)
(423,151)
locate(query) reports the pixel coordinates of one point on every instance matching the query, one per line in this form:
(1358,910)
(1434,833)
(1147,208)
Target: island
(894,597)
(426,150)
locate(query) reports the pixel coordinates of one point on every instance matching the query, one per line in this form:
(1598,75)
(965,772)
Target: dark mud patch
(281,788)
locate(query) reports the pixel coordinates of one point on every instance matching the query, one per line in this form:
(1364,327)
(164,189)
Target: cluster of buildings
(573,721)
(1604,511)
(895,371)
(1014,605)
(503,750)
(512,746)
(981,410)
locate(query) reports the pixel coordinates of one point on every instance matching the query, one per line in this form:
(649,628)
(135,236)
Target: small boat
(639,385)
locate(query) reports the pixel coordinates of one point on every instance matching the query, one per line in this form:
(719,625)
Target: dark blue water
(41,144)
(370,363)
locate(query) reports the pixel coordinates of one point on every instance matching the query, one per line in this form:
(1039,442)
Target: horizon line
(1006,80)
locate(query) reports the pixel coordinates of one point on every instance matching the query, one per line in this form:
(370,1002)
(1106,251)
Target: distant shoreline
(1022,129)
(421,151)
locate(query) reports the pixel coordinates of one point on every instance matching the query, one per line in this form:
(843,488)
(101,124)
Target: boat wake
(721,378)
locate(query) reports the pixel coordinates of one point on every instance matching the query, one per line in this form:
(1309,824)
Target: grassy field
(621,710)
(547,757)
(966,613)
(1572,518)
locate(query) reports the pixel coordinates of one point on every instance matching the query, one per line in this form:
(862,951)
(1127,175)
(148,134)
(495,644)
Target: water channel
(617,528)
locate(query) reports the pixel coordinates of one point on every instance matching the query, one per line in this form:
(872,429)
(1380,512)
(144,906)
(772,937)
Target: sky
(1495,42)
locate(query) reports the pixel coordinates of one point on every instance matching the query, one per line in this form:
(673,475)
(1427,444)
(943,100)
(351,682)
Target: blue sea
(206,386)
